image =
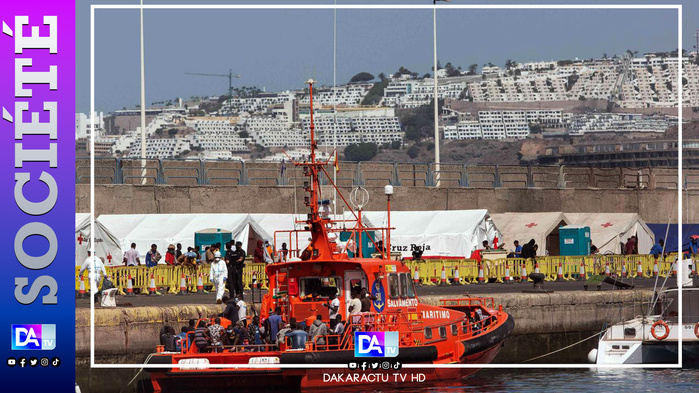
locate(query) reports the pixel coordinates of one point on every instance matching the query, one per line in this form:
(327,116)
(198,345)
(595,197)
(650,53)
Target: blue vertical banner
(37,177)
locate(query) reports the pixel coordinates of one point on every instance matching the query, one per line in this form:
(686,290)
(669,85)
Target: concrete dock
(543,322)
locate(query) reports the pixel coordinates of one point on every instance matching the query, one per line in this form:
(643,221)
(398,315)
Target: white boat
(653,339)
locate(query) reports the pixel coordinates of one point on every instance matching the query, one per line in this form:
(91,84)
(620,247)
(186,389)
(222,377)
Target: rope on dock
(562,349)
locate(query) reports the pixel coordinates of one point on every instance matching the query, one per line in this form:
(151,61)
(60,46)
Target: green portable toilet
(574,240)
(367,245)
(207,237)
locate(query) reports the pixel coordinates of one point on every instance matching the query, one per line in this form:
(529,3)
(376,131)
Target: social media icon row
(33,362)
(375,365)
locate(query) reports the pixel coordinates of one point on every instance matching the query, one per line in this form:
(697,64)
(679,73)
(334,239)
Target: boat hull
(481,349)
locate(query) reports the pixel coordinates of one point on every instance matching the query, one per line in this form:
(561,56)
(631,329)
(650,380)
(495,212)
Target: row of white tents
(454,233)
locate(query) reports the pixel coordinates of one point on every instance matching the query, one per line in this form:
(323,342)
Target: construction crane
(230,77)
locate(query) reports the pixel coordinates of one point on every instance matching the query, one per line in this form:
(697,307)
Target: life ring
(667,330)
(696,329)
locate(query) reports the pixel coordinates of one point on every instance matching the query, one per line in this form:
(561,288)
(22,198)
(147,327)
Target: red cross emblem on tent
(530,225)
(607,224)
(80,238)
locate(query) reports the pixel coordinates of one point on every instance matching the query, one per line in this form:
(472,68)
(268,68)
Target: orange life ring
(696,329)
(664,325)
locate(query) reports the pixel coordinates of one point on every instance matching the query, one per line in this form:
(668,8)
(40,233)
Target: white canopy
(271,223)
(106,244)
(527,226)
(165,229)
(452,233)
(610,230)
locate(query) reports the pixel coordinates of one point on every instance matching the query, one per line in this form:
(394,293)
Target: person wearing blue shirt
(182,338)
(693,246)
(657,248)
(518,249)
(274,324)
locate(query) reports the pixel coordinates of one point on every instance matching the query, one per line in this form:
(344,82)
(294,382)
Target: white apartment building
(375,129)
(349,95)
(414,93)
(270,131)
(619,122)
(160,148)
(257,104)
(470,129)
(83,128)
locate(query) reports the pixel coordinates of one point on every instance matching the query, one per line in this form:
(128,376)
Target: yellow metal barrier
(168,278)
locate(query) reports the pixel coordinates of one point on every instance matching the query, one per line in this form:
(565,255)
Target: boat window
(323,286)
(454,330)
(428,333)
(442,332)
(403,285)
(410,290)
(393,289)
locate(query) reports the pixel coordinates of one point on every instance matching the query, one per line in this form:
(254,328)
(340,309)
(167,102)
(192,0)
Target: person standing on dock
(132,257)
(229,258)
(218,274)
(239,264)
(95,271)
(657,249)
(153,256)
(528,250)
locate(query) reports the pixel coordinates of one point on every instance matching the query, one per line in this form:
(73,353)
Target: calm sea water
(492,380)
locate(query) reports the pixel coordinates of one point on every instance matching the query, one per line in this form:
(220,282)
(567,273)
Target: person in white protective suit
(218,276)
(95,271)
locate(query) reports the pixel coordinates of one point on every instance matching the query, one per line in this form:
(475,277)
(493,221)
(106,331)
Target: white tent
(165,229)
(542,227)
(610,230)
(106,244)
(271,223)
(446,233)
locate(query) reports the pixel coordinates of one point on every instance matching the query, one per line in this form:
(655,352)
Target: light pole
(143,105)
(436,97)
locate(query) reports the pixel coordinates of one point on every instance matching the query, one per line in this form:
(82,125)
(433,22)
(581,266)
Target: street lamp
(388,190)
(436,97)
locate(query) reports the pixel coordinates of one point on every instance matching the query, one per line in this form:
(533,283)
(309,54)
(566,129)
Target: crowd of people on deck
(256,334)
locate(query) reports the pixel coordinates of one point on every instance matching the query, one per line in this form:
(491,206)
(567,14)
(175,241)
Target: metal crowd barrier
(236,172)
(168,278)
(424,272)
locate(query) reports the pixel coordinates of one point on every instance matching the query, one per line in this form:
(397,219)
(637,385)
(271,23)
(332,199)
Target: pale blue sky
(279,49)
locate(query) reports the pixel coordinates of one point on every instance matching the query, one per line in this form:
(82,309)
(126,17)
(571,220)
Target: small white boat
(653,339)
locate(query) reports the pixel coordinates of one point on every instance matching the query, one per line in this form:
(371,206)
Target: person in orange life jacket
(170,255)
(153,256)
(269,252)
(259,254)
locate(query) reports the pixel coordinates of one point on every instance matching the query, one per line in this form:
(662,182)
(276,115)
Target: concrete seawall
(542,321)
(654,206)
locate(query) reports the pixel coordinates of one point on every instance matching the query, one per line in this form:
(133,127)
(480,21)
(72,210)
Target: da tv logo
(376,344)
(33,337)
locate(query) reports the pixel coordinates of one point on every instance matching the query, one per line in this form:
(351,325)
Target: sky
(280,49)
